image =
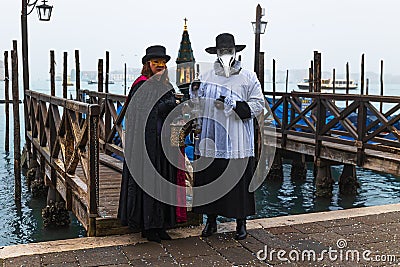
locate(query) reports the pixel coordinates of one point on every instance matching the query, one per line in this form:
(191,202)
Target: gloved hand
(219,102)
(195,85)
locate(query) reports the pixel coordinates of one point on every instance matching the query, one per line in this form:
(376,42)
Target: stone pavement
(355,237)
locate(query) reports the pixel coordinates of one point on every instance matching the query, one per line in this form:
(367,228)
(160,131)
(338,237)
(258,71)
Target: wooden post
(361,132)
(125,79)
(348,183)
(7,99)
(273,81)
(334,83)
(17,137)
(100,76)
(285,120)
(347,82)
(52,74)
(311,78)
(257,41)
(317,71)
(287,80)
(261,70)
(107,113)
(65,76)
(381,104)
(362,74)
(107,70)
(93,167)
(321,115)
(77,76)
(366,88)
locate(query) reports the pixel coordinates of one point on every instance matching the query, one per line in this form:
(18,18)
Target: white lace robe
(224,134)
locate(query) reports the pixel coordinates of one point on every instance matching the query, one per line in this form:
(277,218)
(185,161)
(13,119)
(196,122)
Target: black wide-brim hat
(155,51)
(225,40)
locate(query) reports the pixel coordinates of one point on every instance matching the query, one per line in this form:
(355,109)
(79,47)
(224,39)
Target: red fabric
(181,210)
(139,79)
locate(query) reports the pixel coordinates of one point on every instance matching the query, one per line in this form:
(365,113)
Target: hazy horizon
(341,30)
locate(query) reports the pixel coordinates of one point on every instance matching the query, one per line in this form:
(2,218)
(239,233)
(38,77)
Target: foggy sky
(341,29)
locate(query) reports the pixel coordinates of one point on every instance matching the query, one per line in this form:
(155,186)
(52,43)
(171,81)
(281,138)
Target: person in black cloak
(152,98)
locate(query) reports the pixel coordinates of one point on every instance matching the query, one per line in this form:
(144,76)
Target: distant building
(116,76)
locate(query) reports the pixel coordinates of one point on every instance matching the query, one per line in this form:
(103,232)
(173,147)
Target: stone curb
(130,239)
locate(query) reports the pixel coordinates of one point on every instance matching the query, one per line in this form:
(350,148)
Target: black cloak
(137,209)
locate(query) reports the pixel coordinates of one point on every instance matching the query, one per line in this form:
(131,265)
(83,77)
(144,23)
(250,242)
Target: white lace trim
(226,154)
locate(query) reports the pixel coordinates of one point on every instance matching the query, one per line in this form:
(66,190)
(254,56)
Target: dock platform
(367,236)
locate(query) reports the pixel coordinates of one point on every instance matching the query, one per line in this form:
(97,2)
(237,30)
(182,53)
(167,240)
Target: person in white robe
(230,98)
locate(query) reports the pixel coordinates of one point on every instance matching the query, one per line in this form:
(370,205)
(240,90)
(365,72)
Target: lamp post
(44,13)
(258,28)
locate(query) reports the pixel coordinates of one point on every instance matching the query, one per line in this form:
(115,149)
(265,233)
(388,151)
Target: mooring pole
(362,74)
(257,41)
(65,76)
(261,70)
(381,81)
(77,76)
(100,78)
(7,99)
(17,137)
(107,70)
(347,82)
(52,74)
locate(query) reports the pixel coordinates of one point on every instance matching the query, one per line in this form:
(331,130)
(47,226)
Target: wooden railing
(65,139)
(112,112)
(357,121)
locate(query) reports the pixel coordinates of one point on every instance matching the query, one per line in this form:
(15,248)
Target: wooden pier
(78,145)
(73,143)
(372,143)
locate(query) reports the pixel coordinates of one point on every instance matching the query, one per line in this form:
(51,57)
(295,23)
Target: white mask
(226,57)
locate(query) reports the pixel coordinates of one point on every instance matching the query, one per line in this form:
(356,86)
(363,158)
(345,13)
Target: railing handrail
(77,133)
(339,97)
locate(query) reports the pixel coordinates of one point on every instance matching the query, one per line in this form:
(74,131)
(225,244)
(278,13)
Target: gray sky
(341,29)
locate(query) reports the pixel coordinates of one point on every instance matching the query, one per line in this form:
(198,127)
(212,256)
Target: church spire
(185,53)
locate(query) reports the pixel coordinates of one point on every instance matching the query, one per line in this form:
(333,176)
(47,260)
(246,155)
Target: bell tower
(185,63)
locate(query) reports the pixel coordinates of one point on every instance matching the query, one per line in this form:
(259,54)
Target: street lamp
(258,28)
(44,13)
(261,27)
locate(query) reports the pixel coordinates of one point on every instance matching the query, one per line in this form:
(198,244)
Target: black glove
(219,102)
(195,85)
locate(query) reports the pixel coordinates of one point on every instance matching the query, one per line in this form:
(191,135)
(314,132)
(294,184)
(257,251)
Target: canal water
(23,224)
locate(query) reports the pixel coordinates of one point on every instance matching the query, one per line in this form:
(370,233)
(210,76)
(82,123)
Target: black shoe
(152,235)
(144,235)
(163,234)
(211,226)
(241,232)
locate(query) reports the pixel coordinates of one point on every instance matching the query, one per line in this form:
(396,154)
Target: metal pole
(257,40)
(24,31)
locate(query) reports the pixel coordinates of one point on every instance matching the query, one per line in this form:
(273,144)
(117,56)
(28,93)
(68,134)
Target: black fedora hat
(225,40)
(155,51)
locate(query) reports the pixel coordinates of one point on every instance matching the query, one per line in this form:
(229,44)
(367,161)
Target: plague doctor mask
(226,57)
(226,50)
